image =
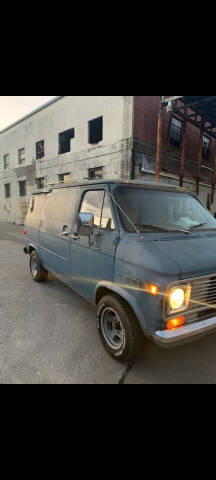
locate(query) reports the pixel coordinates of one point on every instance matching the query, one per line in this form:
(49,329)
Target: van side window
(93,203)
(35,211)
(107,221)
(97,202)
(61,206)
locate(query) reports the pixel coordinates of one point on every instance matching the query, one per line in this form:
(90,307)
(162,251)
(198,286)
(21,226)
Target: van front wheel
(39,274)
(118,328)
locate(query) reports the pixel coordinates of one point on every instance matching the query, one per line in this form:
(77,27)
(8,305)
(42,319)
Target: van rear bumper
(184,334)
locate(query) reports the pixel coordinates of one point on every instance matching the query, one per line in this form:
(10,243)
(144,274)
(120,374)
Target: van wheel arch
(38,272)
(101,292)
(104,291)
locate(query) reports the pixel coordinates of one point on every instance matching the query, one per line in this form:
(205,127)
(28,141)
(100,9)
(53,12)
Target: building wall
(114,153)
(145,146)
(129,132)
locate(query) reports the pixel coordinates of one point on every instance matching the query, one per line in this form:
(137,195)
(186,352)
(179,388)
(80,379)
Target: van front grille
(203,293)
(206,314)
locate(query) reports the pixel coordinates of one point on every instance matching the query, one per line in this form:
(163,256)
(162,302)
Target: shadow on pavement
(194,363)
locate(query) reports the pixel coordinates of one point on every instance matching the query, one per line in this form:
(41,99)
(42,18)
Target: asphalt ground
(48,335)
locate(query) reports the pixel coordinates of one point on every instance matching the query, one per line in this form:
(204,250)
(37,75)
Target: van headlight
(179,298)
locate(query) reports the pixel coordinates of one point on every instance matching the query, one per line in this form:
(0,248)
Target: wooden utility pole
(183,153)
(214,178)
(200,155)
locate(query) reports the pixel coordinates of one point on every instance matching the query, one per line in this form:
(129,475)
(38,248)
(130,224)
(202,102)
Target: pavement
(48,335)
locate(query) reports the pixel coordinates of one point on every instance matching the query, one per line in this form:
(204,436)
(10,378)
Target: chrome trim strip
(168,337)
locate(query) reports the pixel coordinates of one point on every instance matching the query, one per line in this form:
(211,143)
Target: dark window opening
(96,130)
(40,183)
(206,147)
(22,188)
(21,156)
(7,190)
(65,141)
(175,132)
(39,150)
(64,177)
(6,161)
(96,173)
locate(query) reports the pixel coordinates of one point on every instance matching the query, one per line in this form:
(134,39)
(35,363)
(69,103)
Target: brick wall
(145,142)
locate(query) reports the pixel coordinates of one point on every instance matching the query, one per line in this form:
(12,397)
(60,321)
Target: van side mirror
(85,224)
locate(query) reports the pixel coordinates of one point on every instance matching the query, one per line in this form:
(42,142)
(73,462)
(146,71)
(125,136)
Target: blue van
(143,253)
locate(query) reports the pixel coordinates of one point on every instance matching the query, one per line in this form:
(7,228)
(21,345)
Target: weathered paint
(121,262)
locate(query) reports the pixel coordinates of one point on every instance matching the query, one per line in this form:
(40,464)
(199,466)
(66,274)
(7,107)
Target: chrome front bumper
(184,334)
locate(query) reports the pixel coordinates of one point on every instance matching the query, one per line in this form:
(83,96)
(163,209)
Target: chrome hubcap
(34,267)
(112,329)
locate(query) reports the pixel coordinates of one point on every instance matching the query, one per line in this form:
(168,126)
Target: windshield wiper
(165,229)
(197,226)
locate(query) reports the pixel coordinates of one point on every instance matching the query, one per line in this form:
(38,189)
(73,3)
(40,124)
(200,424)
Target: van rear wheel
(118,328)
(39,274)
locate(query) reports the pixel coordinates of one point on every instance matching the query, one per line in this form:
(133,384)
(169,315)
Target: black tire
(131,340)
(39,274)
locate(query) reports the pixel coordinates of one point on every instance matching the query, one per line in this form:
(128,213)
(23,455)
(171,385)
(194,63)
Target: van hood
(195,255)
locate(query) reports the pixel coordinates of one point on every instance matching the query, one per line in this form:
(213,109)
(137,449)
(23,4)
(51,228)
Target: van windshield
(151,210)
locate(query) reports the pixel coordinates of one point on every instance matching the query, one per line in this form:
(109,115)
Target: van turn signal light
(175,323)
(153,289)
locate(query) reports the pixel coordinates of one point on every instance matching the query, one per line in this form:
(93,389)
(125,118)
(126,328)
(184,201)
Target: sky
(13,108)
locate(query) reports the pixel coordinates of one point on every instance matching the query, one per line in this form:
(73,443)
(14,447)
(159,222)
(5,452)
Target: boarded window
(64,177)
(96,130)
(40,150)
(206,147)
(7,190)
(21,156)
(65,141)
(6,161)
(95,173)
(40,183)
(175,132)
(22,188)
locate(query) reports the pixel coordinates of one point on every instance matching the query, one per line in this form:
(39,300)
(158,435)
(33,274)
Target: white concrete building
(69,137)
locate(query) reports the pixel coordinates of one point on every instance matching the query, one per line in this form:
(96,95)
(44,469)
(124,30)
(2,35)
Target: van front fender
(32,247)
(125,295)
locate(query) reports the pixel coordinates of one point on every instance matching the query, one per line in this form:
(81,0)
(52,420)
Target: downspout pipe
(133,160)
